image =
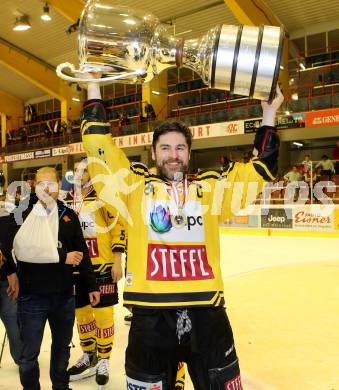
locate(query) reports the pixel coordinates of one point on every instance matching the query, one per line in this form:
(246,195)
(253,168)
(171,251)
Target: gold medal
(179,220)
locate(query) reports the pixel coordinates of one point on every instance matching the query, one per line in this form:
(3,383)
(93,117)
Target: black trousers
(208,348)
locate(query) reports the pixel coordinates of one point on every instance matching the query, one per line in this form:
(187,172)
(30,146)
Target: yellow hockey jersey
(102,231)
(170,264)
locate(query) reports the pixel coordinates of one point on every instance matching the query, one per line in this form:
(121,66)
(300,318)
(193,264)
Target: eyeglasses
(51,185)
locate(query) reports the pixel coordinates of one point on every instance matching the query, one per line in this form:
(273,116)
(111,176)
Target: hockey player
(105,240)
(173,279)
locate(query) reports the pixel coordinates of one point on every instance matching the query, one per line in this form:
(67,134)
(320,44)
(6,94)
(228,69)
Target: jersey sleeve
(117,232)
(240,184)
(111,173)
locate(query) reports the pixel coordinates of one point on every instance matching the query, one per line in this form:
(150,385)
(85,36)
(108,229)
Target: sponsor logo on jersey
(106,289)
(161,229)
(92,245)
(133,384)
(178,262)
(108,332)
(88,226)
(234,384)
(85,328)
(160,219)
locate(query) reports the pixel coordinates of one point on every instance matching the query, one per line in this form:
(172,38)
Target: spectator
(307,163)
(45,271)
(9,137)
(327,167)
(150,113)
(123,119)
(317,174)
(9,286)
(293,176)
(247,157)
(23,135)
(336,158)
(307,171)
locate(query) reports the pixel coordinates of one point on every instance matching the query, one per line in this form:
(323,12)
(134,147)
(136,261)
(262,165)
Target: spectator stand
(329,193)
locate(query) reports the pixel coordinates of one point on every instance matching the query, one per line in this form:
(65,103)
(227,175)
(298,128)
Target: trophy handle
(66,65)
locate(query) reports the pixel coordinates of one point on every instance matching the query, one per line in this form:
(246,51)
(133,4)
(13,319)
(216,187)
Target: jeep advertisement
(276,218)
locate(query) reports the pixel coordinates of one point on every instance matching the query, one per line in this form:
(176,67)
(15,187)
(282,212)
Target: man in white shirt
(327,167)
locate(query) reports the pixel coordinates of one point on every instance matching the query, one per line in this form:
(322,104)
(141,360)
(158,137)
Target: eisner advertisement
(313,218)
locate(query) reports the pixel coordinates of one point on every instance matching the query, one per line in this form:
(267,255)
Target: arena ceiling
(49,42)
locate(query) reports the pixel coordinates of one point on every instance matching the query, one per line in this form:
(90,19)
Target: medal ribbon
(77,204)
(180,204)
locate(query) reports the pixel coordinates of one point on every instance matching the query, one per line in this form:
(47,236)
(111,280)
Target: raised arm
(266,142)
(108,166)
(243,181)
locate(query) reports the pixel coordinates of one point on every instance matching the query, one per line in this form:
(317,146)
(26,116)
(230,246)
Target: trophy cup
(131,46)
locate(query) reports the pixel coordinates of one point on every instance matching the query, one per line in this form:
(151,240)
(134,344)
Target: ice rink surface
(282,297)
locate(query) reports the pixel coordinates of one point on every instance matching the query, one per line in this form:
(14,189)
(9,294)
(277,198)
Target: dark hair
(172,126)
(324,157)
(79,160)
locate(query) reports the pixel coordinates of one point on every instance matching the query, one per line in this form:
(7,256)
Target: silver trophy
(131,46)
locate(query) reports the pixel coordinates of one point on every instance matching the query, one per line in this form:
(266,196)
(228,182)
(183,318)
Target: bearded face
(171,155)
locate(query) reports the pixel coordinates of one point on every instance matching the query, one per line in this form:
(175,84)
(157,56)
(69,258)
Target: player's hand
(94,297)
(74,258)
(116,271)
(93,89)
(13,286)
(270,109)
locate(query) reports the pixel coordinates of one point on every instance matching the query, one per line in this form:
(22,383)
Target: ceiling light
(295,96)
(302,66)
(76,99)
(287,113)
(46,16)
(22,23)
(299,144)
(282,67)
(156,93)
